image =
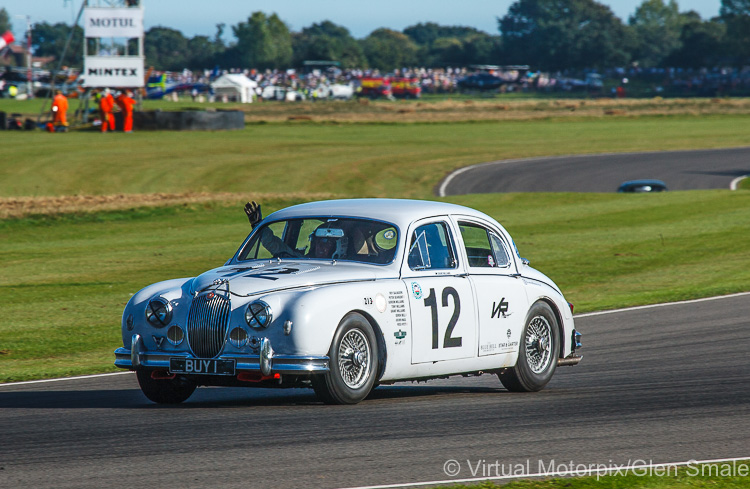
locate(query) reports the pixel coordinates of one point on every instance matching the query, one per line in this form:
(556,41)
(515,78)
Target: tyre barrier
(15,122)
(193,120)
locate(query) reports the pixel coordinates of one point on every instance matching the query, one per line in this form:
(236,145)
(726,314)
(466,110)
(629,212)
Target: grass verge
(66,278)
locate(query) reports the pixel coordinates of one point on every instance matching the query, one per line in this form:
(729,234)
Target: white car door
(440,295)
(501,296)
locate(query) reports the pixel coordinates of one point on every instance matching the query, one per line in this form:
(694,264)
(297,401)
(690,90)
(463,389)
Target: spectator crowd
(650,81)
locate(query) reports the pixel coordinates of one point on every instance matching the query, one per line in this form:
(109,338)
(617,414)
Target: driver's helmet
(328,241)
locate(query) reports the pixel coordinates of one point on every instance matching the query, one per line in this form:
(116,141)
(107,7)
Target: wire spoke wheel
(538,352)
(354,358)
(353,362)
(538,340)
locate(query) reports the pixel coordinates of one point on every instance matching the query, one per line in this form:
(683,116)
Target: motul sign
(113,22)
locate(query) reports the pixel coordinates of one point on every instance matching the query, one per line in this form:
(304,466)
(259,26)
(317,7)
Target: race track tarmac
(680,170)
(662,384)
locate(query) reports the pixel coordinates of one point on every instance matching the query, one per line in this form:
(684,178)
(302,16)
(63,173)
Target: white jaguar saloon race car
(344,295)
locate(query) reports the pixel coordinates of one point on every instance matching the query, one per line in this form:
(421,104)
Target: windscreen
(348,239)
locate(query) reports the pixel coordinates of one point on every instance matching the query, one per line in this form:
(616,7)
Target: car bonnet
(258,277)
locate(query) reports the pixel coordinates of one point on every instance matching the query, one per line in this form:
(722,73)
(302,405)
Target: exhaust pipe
(569,361)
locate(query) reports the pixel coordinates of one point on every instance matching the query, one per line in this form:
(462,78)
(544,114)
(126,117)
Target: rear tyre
(353,363)
(538,352)
(165,391)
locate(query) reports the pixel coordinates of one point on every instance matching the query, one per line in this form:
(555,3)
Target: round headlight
(159,312)
(258,315)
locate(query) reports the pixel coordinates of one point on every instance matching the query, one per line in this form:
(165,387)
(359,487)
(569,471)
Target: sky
(196,17)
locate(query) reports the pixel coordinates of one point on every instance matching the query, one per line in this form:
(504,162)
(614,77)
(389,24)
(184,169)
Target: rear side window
(477,244)
(484,248)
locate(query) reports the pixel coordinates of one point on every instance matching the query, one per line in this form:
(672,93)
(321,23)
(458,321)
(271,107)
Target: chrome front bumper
(266,362)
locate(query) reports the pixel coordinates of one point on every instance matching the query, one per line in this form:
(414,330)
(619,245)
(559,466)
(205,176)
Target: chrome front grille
(207,325)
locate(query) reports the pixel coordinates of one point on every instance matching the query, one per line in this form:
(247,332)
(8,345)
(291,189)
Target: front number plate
(200,366)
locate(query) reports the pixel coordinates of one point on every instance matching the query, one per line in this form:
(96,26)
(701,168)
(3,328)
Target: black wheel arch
(382,347)
(560,325)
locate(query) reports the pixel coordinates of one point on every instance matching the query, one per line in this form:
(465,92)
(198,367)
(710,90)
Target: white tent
(236,87)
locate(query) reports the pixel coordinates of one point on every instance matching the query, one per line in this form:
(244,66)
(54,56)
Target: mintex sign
(115,71)
(113,22)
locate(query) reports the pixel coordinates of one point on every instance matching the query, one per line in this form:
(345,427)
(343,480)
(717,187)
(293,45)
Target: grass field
(391,160)
(88,219)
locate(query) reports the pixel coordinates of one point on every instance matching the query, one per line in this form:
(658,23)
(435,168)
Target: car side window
(502,259)
(430,248)
(477,244)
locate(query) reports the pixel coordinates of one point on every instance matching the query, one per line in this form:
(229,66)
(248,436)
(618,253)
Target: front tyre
(353,363)
(165,391)
(537,357)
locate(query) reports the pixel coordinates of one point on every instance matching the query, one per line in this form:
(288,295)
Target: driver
(328,242)
(254,215)
(320,246)
(270,241)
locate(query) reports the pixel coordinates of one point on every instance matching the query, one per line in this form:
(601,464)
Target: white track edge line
(61,379)
(663,304)
(563,473)
(588,314)
(736,182)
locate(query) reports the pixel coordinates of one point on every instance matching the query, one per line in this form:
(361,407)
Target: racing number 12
(431,301)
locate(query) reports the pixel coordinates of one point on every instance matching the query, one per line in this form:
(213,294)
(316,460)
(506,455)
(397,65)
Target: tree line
(548,35)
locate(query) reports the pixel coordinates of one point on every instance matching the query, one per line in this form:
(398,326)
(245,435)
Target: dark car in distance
(480,81)
(641,186)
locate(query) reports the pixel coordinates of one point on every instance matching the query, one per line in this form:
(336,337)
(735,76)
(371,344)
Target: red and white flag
(6,39)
